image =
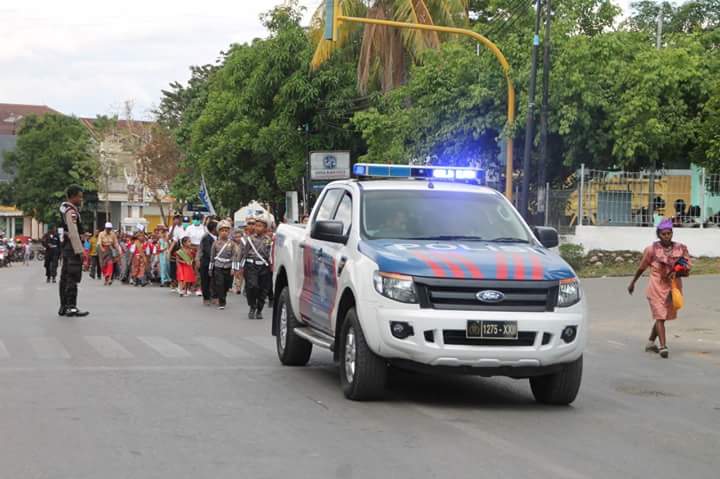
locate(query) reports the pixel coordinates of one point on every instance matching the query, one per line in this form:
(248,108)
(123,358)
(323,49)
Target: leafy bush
(574,254)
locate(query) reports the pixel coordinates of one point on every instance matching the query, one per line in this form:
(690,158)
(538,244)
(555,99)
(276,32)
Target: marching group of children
(205,258)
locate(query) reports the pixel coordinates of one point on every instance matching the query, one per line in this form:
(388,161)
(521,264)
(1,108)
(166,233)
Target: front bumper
(432,323)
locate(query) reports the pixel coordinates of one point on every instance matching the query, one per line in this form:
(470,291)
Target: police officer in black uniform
(51,242)
(71,271)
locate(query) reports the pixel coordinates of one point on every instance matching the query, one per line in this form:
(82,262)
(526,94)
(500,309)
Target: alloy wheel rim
(283,327)
(350,353)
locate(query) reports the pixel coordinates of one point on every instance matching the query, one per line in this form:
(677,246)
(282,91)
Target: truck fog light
(401,329)
(568,334)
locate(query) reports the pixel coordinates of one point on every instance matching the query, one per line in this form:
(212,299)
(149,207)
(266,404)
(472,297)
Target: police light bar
(446,173)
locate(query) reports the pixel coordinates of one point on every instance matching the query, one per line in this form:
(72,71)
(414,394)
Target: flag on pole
(205,196)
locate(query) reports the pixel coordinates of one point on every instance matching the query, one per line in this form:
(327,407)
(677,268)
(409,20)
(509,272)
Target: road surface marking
(616,343)
(265,342)
(108,348)
(48,348)
(3,351)
(222,347)
(164,347)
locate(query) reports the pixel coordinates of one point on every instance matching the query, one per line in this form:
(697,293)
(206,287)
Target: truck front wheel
(362,372)
(292,349)
(561,388)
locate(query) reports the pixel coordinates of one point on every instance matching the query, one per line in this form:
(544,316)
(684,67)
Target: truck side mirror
(547,236)
(331,231)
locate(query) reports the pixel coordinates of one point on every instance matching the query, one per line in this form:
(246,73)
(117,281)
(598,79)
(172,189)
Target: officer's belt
(255,262)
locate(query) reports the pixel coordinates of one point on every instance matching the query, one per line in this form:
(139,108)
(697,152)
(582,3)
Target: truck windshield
(440,215)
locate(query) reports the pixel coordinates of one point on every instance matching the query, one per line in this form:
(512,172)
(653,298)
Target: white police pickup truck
(426,270)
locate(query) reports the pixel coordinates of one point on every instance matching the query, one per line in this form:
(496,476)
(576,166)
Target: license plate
(492,329)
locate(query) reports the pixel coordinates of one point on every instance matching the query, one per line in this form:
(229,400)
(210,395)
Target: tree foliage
(615,100)
(53,151)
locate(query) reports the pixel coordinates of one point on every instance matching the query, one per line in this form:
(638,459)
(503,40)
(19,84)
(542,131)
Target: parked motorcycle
(4,258)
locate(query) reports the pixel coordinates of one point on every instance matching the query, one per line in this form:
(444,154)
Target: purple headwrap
(665,224)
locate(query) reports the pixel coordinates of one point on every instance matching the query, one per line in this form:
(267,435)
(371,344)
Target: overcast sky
(86,57)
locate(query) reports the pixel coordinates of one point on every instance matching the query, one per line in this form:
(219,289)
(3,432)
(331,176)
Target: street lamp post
(306,178)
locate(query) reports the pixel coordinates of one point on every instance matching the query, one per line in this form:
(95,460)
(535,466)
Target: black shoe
(251,314)
(62,311)
(47,280)
(76,313)
(53,280)
(258,315)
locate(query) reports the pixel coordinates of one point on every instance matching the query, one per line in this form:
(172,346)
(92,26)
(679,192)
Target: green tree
(249,139)
(180,106)
(53,151)
(7,193)
(385,52)
(688,17)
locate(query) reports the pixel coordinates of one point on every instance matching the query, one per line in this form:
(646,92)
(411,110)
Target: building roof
(11,114)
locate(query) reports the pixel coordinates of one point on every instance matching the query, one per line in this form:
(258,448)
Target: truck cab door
(320,263)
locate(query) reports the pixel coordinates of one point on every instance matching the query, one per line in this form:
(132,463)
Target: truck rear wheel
(292,349)
(561,388)
(362,372)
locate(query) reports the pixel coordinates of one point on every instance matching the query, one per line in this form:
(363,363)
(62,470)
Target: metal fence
(621,198)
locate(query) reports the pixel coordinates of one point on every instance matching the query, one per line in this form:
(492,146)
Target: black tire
(296,351)
(561,388)
(370,372)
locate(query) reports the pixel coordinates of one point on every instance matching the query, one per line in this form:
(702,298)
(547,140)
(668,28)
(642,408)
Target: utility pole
(524,191)
(306,179)
(542,164)
(651,186)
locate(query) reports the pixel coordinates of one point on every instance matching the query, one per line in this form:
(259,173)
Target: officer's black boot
(74,312)
(251,314)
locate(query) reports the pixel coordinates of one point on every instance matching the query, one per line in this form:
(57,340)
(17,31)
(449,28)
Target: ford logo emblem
(490,296)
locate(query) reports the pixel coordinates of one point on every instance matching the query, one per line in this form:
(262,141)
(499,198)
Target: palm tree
(386,51)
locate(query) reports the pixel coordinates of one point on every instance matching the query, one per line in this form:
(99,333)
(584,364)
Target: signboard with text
(329,165)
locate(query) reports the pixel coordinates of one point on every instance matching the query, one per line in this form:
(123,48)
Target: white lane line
(222,347)
(3,351)
(48,348)
(108,348)
(164,347)
(616,343)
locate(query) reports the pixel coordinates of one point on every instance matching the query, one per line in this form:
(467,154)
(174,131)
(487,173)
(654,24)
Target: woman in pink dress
(669,261)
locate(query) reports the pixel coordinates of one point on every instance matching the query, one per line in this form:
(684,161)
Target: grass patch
(602,263)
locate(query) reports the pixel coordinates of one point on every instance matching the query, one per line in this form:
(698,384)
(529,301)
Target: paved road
(156,386)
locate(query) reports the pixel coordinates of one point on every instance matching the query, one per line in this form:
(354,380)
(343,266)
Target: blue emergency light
(443,173)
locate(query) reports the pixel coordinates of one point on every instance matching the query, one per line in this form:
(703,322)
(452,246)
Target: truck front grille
(460,294)
(458,337)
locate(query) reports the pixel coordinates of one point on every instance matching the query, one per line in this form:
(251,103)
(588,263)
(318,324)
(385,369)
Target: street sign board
(329,165)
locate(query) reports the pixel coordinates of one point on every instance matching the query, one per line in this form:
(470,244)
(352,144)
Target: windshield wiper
(508,240)
(449,238)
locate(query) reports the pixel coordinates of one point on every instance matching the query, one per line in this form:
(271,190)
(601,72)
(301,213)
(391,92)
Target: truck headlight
(395,286)
(568,293)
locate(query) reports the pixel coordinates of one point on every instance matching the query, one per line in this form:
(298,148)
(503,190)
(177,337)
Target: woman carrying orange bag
(669,261)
